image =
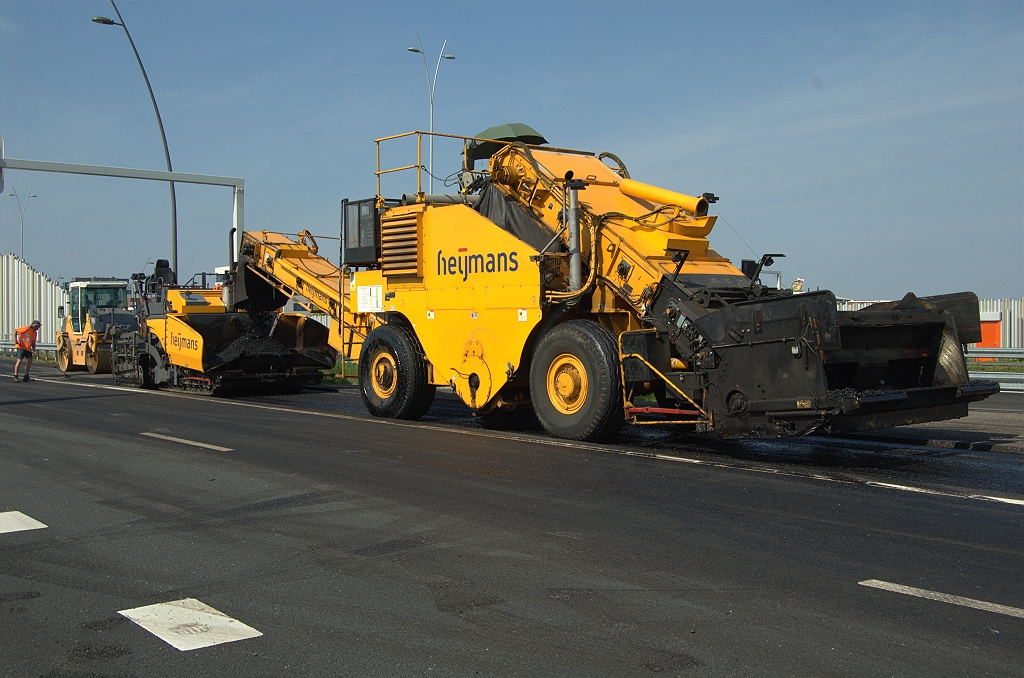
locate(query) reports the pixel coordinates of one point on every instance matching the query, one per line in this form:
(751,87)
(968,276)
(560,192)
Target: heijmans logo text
(184,343)
(464,264)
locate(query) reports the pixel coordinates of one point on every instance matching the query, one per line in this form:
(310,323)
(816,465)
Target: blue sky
(879,145)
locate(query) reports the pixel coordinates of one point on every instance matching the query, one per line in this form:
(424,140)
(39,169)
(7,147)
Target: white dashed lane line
(184,441)
(908,488)
(16,521)
(526,438)
(189,624)
(944,597)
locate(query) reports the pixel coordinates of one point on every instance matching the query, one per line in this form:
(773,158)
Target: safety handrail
(419,153)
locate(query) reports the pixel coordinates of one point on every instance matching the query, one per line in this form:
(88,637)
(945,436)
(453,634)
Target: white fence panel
(27,295)
(1012,325)
(850,305)
(321,318)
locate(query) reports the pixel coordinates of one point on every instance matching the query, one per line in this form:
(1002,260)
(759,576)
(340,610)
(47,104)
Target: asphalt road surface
(1007,401)
(357,546)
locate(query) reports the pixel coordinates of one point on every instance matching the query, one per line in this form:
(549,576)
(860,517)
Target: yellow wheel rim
(567,383)
(384,375)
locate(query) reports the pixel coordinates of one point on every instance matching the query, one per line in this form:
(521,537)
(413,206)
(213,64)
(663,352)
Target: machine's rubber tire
(393,374)
(575,383)
(64,361)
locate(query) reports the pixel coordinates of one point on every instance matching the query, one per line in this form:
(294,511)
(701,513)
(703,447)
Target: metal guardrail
(1008,381)
(45,351)
(1017,353)
(40,346)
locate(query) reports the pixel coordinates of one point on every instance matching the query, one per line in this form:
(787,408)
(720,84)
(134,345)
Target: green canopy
(514,131)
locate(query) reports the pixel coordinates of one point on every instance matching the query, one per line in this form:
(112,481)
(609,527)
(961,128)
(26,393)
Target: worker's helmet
(36,324)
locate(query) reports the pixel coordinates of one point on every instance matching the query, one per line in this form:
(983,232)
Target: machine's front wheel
(393,374)
(575,384)
(97,357)
(64,361)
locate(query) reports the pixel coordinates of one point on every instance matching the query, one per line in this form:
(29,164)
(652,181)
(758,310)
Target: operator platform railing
(466,141)
(419,154)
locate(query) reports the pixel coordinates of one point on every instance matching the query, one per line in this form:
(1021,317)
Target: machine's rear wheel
(393,374)
(575,384)
(64,361)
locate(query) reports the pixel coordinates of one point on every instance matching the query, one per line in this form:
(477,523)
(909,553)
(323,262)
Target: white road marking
(537,440)
(944,597)
(106,387)
(187,442)
(906,488)
(16,521)
(189,624)
(1005,500)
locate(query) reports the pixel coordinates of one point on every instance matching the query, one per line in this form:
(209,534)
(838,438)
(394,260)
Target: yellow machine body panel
(182,344)
(475,305)
(587,167)
(188,301)
(608,194)
(638,227)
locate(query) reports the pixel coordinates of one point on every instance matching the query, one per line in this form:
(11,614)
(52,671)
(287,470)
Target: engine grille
(400,241)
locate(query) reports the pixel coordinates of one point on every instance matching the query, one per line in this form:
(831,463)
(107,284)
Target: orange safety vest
(26,338)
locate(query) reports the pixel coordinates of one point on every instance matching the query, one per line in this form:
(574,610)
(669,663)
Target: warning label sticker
(369,298)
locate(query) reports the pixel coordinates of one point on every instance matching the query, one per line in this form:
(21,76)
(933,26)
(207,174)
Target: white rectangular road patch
(16,521)
(184,441)
(189,624)
(943,597)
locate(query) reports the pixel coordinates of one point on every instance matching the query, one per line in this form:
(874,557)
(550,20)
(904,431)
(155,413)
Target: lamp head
(448,56)
(103,20)
(411,49)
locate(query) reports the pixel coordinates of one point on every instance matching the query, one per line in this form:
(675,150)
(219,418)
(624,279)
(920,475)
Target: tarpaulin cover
(509,216)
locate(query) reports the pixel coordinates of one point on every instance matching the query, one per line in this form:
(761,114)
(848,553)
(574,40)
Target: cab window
(76,309)
(105,297)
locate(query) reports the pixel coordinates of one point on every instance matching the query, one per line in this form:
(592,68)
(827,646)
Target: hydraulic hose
(594,223)
(594,226)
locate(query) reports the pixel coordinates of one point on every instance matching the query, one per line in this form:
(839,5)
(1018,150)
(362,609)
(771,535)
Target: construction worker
(25,345)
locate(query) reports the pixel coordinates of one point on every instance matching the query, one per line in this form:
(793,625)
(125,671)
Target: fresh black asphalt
(368,547)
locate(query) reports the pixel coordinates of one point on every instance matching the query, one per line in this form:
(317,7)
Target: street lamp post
(163,137)
(430,91)
(21,210)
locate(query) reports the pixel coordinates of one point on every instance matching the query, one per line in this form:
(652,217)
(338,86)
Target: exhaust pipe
(231,249)
(227,290)
(573,187)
